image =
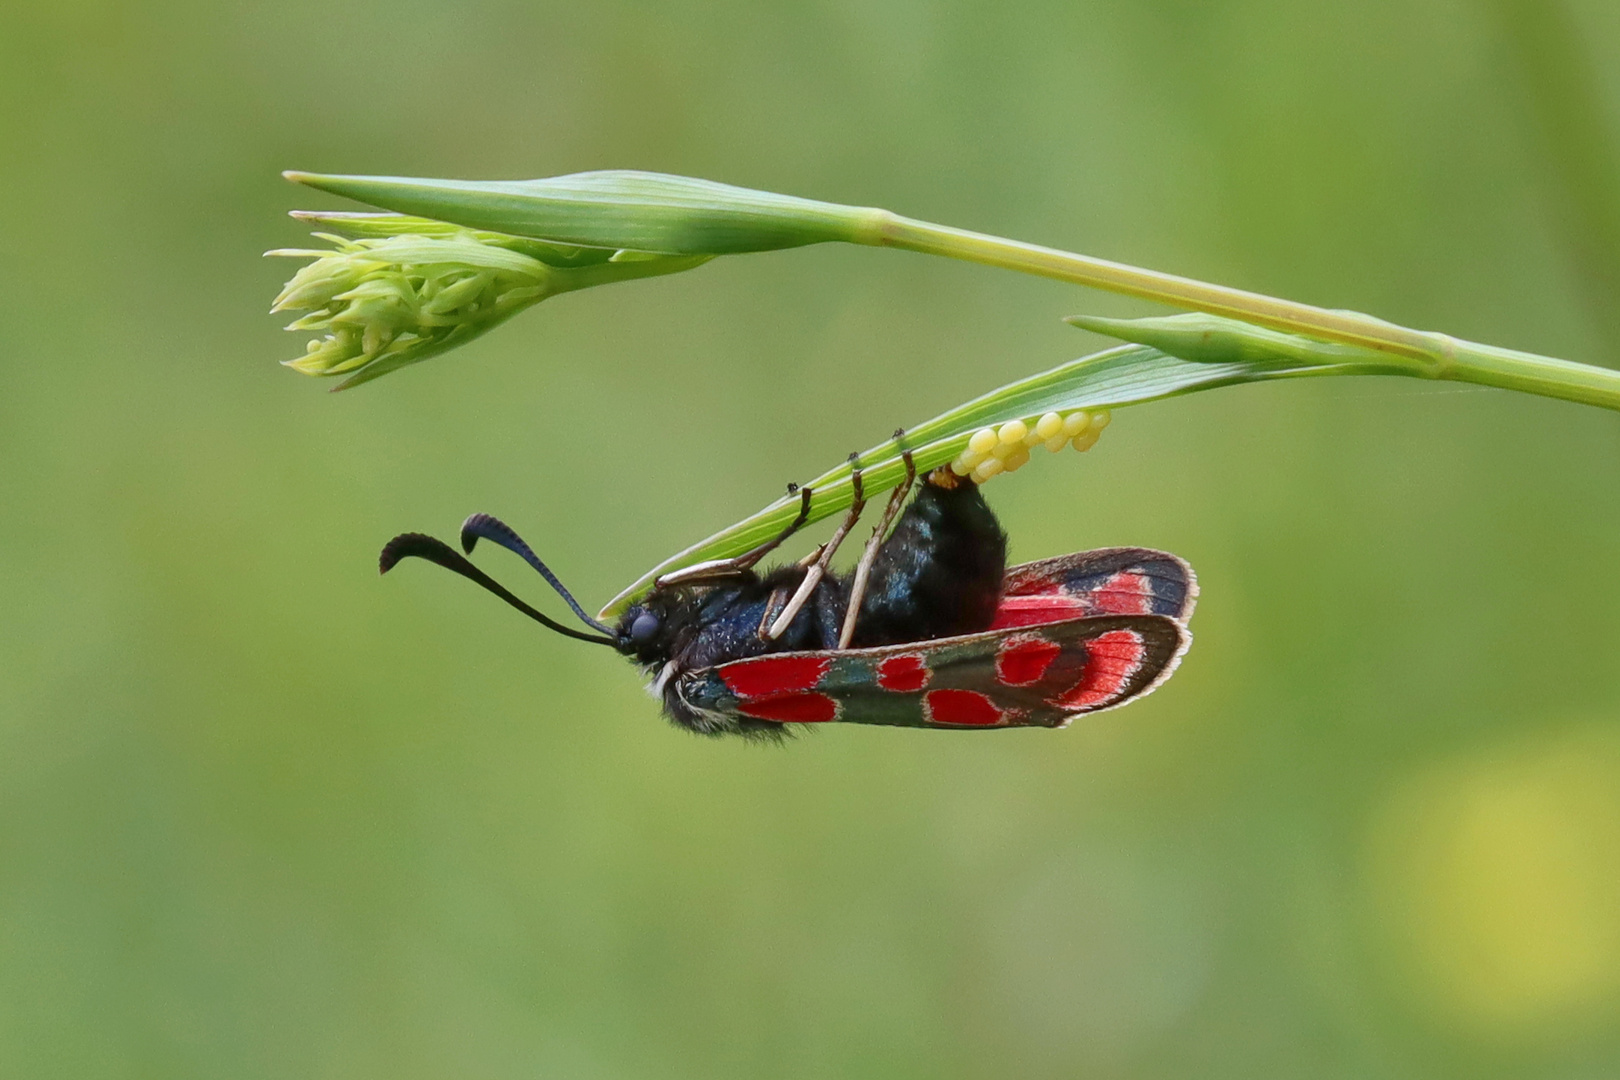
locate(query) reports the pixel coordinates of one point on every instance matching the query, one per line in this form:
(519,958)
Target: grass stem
(1435,355)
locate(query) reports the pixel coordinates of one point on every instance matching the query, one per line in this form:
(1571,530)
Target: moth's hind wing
(1028,677)
(1107,581)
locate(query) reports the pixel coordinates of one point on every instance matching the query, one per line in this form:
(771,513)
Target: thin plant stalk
(1437,356)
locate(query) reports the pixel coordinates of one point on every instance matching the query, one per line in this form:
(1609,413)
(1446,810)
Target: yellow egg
(1049,425)
(987,468)
(1101,420)
(1013,431)
(983,441)
(1076,423)
(1018,460)
(1086,440)
(1057,442)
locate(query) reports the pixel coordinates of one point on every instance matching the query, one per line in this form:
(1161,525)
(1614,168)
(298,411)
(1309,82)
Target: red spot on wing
(773,675)
(967,708)
(1024,658)
(792,709)
(1112,659)
(903,674)
(1021,610)
(1125,594)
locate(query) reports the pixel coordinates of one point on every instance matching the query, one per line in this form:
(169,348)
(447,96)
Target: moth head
(647,630)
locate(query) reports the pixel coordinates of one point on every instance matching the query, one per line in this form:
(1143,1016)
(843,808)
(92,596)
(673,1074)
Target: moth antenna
(499,532)
(417,545)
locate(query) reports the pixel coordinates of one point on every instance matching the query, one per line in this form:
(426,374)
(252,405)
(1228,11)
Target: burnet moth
(931,630)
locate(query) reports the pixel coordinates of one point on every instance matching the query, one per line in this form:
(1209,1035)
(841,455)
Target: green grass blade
(641,211)
(1128,375)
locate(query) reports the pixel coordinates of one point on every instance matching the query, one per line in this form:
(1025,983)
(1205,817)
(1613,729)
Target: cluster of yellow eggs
(1006,448)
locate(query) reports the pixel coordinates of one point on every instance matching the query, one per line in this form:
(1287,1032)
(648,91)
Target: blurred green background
(264,815)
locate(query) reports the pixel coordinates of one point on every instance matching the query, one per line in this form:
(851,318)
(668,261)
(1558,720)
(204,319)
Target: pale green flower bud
(316,284)
(413,288)
(1211,339)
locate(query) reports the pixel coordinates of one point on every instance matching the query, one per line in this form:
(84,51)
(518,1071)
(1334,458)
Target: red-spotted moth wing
(1034,676)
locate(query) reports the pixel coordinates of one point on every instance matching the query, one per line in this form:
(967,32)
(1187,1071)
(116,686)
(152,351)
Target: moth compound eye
(644,629)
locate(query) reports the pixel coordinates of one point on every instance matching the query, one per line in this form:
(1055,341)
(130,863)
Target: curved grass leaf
(1127,375)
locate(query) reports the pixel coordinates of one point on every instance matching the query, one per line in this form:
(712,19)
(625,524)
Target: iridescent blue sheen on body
(937,575)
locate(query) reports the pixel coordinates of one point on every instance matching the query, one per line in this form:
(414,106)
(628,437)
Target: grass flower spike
(388,303)
(415,288)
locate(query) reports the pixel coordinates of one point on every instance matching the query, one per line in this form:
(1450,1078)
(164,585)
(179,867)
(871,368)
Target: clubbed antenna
(499,532)
(418,545)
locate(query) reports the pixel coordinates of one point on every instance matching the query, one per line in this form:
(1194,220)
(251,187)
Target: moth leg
(747,560)
(773,607)
(779,595)
(857,589)
(813,576)
(720,569)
